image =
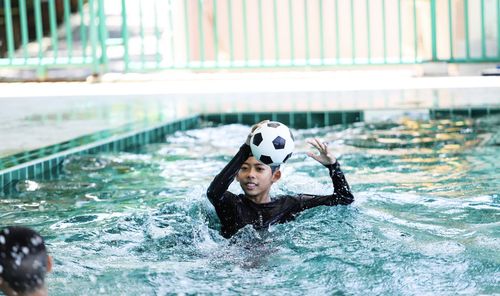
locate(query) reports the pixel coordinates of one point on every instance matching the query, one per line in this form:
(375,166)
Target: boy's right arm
(221,182)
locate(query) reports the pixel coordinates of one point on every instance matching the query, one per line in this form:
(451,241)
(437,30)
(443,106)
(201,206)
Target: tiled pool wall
(298,120)
(45,163)
(450,113)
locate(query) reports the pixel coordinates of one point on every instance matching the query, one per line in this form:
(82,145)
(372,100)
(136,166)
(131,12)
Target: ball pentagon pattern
(272,143)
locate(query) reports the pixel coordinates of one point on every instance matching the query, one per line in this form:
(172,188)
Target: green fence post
(306,32)
(400,33)
(157,36)
(171,28)
(450,29)
(39,30)
(415,36)
(384,31)
(337,31)
(216,34)
(9,30)
(201,34)
(93,37)
(483,32)
(186,31)
(276,34)
(126,56)
(368,32)
(466,23)
(321,34)
(83,31)
(433,30)
(141,34)
(261,35)
(23,15)
(67,26)
(230,25)
(53,29)
(103,36)
(353,34)
(245,31)
(292,41)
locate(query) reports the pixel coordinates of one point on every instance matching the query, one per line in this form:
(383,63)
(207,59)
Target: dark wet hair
(23,258)
(274,168)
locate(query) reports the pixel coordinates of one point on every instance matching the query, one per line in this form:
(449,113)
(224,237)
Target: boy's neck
(260,199)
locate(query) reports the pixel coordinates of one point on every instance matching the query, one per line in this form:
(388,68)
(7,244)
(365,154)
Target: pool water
(425,220)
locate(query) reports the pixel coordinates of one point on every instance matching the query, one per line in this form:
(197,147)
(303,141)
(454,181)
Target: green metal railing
(55,33)
(135,35)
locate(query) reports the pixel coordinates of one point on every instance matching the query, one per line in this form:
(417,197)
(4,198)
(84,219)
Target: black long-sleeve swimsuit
(236,211)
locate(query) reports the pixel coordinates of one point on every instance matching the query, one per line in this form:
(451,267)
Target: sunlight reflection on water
(425,219)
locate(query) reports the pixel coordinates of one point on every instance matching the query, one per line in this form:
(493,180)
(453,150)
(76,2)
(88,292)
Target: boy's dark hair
(23,259)
(274,168)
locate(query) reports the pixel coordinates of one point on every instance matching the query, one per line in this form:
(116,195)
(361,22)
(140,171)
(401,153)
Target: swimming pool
(425,219)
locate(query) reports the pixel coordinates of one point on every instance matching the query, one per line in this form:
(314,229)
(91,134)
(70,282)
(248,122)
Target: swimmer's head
(256,179)
(23,260)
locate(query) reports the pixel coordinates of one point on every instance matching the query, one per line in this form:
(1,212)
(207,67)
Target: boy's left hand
(325,157)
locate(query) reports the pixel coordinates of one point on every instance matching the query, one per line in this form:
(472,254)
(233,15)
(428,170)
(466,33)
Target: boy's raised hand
(254,127)
(325,157)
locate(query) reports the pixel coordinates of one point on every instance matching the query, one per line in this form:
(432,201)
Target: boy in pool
(255,207)
(24,262)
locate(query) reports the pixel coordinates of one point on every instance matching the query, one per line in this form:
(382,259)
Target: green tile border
(26,156)
(472,112)
(49,167)
(297,120)
(45,162)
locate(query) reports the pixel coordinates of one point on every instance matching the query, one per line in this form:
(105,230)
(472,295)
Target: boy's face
(256,178)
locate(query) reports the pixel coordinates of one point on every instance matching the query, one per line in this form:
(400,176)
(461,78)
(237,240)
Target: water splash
(424,221)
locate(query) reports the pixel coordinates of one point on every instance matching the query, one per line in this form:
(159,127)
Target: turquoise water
(425,221)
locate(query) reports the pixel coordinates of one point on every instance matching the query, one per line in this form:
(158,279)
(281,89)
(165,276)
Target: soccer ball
(272,143)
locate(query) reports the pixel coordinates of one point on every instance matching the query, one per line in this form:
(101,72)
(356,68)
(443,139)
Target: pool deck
(35,115)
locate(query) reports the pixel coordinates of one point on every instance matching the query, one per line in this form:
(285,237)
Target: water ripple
(425,220)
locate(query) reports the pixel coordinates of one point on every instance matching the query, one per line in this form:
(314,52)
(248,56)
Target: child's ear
(276,176)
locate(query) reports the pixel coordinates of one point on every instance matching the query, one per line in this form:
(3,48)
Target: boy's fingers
(325,144)
(315,145)
(322,147)
(312,155)
(314,142)
(319,143)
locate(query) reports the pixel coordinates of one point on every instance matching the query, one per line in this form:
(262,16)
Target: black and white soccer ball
(272,143)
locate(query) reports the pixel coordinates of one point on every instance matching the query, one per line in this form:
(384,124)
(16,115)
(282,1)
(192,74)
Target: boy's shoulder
(232,197)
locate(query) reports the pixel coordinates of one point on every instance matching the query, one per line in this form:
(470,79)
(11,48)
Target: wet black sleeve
(341,192)
(221,182)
